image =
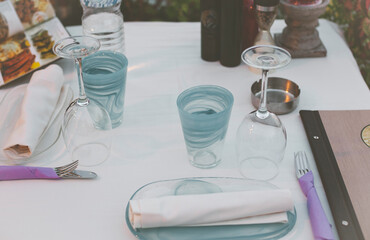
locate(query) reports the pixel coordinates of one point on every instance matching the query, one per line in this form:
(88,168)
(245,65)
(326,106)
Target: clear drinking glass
(204,113)
(85,122)
(261,137)
(105,82)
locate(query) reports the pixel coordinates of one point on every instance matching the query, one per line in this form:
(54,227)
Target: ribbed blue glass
(104,76)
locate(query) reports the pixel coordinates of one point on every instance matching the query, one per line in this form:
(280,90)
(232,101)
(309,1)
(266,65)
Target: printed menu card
(340,143)
(28,31)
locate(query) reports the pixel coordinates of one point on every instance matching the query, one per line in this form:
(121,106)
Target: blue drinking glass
(204,113)
(105,81)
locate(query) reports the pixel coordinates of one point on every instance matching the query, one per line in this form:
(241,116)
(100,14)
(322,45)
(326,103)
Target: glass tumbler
(204,113)
(105,82)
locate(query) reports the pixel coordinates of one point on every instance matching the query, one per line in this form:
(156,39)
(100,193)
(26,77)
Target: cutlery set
(64,172)
(320,225)
(319,222)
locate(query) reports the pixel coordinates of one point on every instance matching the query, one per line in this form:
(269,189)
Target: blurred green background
(353,16)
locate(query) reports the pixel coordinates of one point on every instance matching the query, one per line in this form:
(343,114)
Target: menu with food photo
(28,31)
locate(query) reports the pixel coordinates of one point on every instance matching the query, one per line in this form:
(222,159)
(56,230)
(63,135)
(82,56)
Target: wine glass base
(258,168)
(86,157)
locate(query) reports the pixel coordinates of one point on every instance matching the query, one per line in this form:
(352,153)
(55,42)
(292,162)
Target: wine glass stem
(82,99)
(262,109)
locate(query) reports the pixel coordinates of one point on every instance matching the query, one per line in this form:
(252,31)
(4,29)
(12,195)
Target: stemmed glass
(85,122)
(261,137)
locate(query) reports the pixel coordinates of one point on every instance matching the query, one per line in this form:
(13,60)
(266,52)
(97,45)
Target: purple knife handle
(320,225)
(22,172)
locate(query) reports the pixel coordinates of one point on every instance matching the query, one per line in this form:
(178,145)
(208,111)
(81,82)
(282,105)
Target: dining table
(164,60)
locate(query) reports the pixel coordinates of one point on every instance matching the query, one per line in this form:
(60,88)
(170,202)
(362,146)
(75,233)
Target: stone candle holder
(300,36)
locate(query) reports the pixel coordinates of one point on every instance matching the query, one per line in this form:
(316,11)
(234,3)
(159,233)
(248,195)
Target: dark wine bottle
(210,29)
(230,32)
(249,25)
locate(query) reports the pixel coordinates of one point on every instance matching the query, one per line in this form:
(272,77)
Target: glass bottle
(250,27)
(210,29)
(103,20)
(230,32)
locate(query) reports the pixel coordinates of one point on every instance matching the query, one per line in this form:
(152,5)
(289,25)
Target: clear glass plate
(208,185)
(10,110)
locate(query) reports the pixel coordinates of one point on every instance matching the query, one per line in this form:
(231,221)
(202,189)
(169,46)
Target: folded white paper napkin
(227,208)
(40,105)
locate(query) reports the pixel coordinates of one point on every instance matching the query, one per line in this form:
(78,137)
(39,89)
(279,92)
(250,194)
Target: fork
(66,170)
(320,225)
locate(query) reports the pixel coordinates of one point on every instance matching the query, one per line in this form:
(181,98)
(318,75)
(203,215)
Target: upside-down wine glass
(86,124)
(261,137)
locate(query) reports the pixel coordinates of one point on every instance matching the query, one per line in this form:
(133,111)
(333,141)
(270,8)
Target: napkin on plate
(226,208)
(39,105)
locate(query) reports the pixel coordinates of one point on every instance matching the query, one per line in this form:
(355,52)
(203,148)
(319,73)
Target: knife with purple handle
(321,227)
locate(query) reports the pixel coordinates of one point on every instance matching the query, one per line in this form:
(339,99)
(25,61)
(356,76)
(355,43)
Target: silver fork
(66,170)
(320,225)
(69,171)
(301,163)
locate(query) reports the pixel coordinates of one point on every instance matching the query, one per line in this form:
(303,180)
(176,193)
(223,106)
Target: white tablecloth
(164,59)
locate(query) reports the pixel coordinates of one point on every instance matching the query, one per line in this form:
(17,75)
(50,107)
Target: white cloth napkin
(227,208)
(41,102)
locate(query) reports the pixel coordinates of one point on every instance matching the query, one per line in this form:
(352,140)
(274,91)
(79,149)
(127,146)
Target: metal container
(282,95)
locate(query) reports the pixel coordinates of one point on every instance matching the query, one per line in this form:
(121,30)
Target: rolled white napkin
(39,105)
(227,208)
